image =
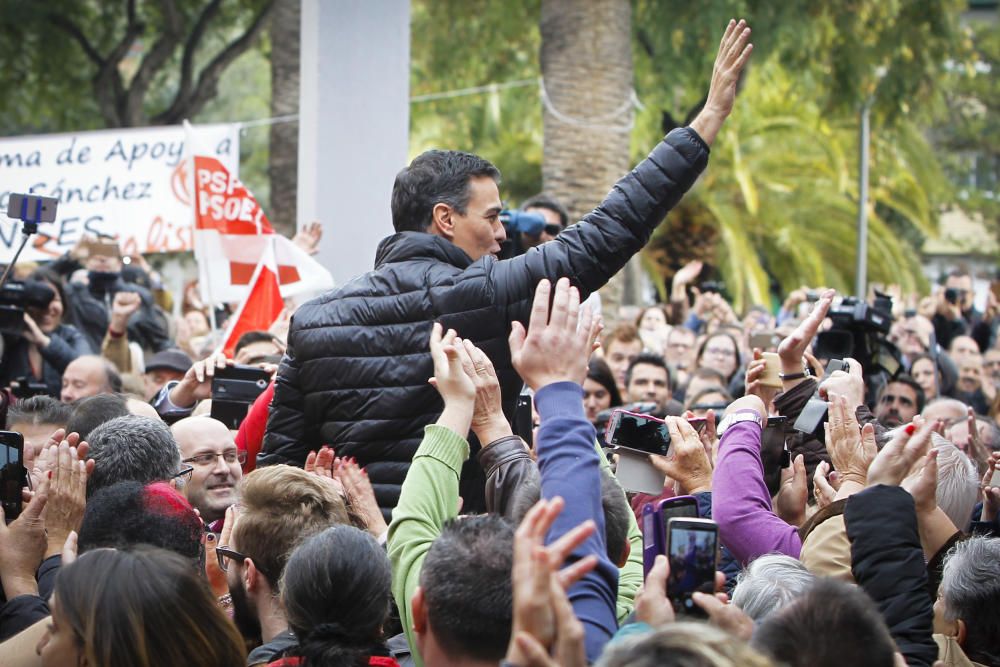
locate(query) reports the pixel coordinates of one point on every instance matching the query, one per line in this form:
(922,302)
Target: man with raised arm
(355,370)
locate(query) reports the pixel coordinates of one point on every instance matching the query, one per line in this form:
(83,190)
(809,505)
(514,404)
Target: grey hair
(132,448)
(970,590)
(769,583)
(957,482)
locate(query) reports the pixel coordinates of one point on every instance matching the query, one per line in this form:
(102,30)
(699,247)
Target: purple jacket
(741,504)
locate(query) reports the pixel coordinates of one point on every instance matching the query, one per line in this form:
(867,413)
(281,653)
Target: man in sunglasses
(556,219)
(208,446)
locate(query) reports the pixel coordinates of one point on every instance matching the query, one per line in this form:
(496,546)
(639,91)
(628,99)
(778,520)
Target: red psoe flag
(262,306)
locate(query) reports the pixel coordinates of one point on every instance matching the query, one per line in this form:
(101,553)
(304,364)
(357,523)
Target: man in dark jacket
(355,372)
(91,297)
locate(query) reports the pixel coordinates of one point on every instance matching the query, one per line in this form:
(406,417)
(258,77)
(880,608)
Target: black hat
(172,359)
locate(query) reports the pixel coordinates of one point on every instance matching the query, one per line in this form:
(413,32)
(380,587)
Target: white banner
(131,184)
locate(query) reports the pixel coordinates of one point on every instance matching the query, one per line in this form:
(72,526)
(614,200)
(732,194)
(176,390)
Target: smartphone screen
(693,545)
(643,433)
(12,473)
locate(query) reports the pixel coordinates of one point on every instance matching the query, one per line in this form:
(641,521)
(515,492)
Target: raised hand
(793,348)
(850,385)
(554,348)
(898,457)
(541,622)
(852,449)
(308,237)
(991,489)
(362,496)
(196,385)
(689,463)
(790,503)
(67,497)
(734,52)
(825,485)
(22,547)
(455,387)
(488,421)
(122,308)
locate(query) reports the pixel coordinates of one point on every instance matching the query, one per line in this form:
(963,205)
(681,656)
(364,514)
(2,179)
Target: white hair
(957,482)
(769,583)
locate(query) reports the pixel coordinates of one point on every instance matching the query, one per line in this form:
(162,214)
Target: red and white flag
(262,306)
(231,234)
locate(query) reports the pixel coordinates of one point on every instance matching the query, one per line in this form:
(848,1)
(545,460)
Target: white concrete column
(353,124)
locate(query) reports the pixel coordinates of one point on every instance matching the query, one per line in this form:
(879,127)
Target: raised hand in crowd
(67,496)
(196,385)
(652,606)
(793,494)
(826,483)
(488,420)
(852,449)
(22,548)
(215,575)
(309,236)
(545,631)
(123,307)
(556,347)
(688,464)
(686,275)
(455,387)
(900,454)
(33,333)
(734,52)
(849,385)
(39,466)
(359,491)
(793,348)
(991,489)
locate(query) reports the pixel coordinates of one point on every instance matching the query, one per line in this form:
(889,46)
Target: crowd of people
(381,503)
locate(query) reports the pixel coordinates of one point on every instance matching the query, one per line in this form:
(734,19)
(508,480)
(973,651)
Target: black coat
(888,563)
(355,372)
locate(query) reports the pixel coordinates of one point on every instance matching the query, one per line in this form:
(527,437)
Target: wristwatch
(737,417)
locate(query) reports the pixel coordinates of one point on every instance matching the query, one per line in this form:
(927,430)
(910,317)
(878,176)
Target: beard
(244,617)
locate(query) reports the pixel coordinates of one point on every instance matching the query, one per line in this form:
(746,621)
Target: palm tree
(586,59)
(284,137)
(780,197)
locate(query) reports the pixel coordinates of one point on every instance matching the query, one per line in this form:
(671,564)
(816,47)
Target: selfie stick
(30,220)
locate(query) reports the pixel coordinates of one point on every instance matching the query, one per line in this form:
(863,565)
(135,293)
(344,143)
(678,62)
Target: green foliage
(458,44)
(968,129)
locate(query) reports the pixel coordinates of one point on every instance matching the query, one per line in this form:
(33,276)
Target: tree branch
(73,30)
(153,62)
(208,79)
(187,59)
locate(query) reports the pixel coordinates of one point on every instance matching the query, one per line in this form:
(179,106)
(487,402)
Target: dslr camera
(15,297)
(860,331)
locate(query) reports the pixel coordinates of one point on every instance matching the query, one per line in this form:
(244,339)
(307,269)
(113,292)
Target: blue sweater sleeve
(570,468)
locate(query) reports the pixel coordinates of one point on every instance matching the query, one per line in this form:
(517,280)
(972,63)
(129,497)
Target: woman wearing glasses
(137,608)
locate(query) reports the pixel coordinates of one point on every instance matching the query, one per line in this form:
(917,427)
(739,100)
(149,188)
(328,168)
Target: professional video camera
(859,331)
(15,296)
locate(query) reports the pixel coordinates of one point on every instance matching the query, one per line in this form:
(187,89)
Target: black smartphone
(524,422)
(693,546)
(642,433)
(234,389)
(655,517)
(13,476)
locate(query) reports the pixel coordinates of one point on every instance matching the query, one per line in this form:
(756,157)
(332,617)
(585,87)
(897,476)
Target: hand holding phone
(13,476)
(692,546)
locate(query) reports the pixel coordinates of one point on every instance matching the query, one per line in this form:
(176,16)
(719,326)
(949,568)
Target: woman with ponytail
(337,596)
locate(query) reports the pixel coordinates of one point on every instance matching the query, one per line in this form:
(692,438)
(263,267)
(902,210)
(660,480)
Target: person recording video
(37,356)
(92,293)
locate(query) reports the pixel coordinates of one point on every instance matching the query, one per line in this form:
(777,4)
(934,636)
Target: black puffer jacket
(356,368)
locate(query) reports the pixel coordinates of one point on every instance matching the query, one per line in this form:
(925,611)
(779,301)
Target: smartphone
(692,547)
(524,422)
(32,208)
(772,366)
(13,476)
(642,433)
(234,389)
(655,517)
(764,340)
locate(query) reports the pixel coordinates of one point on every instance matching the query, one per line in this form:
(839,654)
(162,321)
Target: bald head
(89,375)
(141,408)
(947,410)
(208,447)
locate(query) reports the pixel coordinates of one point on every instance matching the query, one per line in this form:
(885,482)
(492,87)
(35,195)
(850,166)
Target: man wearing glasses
(208,447)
